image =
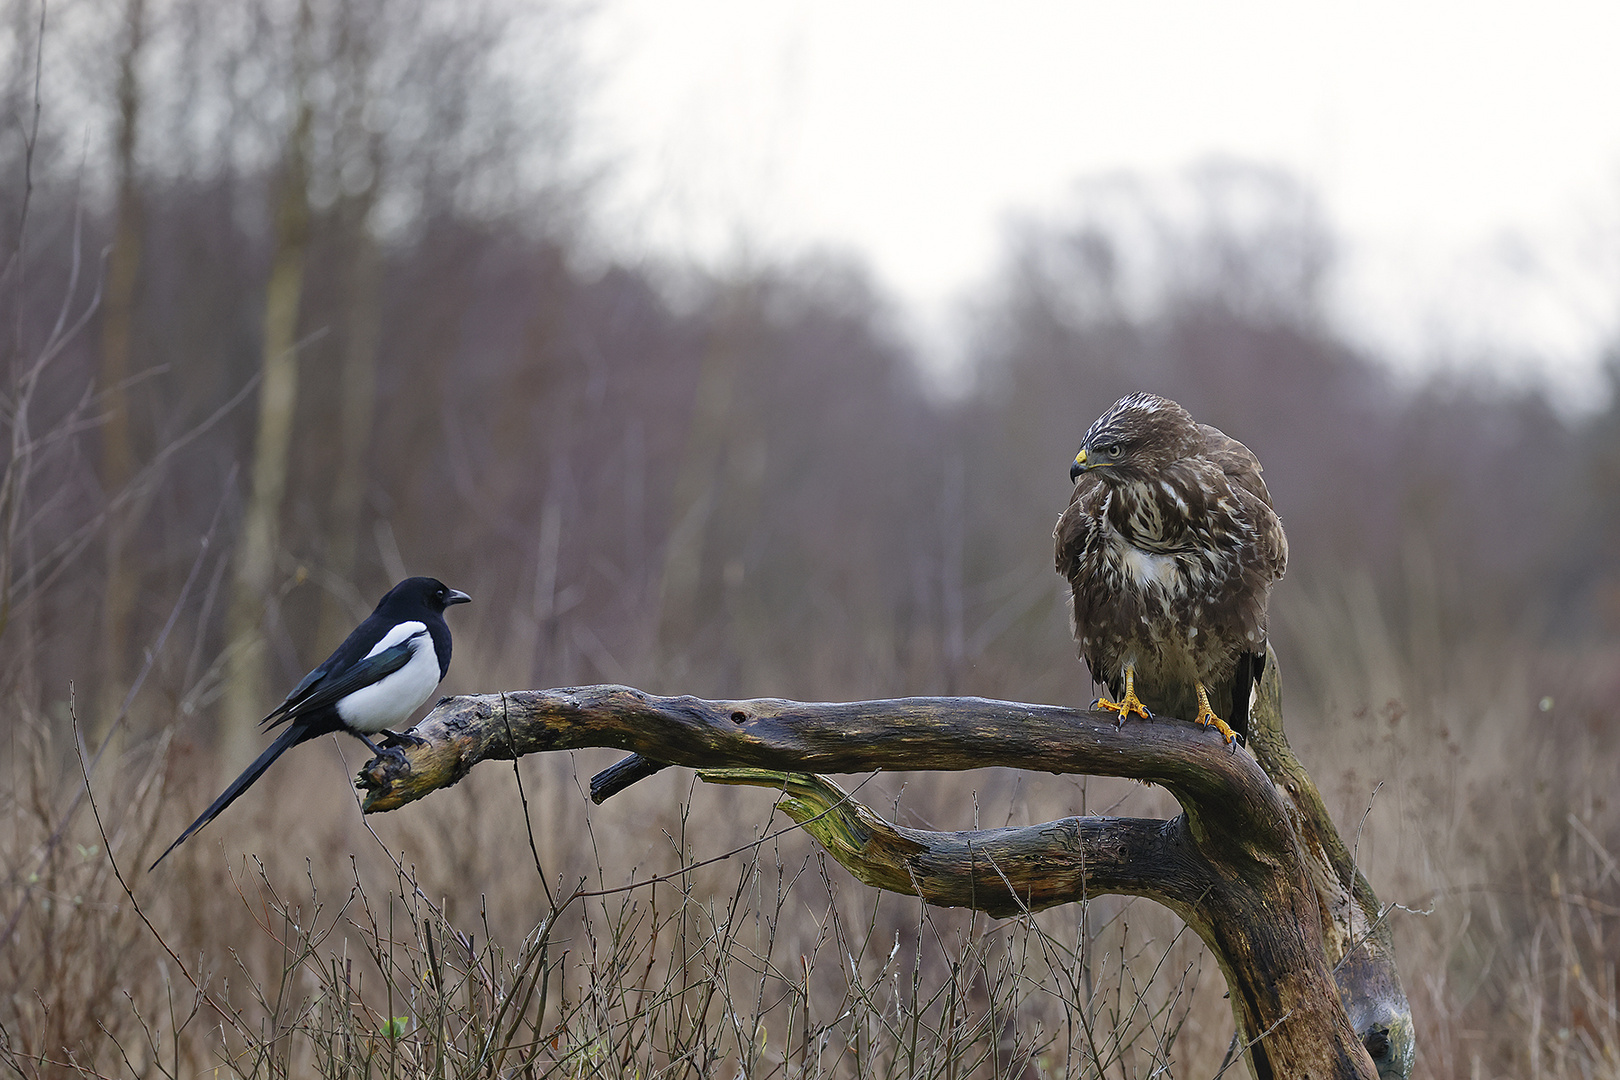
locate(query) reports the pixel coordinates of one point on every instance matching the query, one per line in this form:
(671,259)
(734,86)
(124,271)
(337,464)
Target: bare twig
(224,1011)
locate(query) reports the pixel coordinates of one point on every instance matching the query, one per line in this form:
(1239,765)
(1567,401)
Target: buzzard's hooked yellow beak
(1078,467)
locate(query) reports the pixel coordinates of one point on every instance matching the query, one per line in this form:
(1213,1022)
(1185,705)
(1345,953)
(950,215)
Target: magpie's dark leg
(621,774)
(402,738)
(375,750)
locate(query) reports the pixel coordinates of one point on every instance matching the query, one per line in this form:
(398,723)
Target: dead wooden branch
(1253,866)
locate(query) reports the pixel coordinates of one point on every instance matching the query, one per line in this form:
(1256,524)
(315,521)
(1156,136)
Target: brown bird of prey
(1170,546)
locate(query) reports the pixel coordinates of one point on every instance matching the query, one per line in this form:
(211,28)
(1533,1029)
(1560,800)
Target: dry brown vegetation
(729,486)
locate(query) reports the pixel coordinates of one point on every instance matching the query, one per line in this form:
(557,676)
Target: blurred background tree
(751,481)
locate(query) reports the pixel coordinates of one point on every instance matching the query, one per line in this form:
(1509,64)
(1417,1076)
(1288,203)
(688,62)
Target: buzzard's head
(1138,435)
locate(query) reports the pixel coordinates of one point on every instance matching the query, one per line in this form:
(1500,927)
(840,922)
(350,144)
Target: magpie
(372,683)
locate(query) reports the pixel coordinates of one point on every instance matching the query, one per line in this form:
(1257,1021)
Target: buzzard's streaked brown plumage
(1171,547)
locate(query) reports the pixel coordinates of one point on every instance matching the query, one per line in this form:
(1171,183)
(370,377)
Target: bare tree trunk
(118,314)
(697,485)
(247,682)
(361,318)
(1241,865)
(361,325)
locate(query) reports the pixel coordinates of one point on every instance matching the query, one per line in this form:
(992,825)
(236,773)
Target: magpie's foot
(388,767)
(402,738)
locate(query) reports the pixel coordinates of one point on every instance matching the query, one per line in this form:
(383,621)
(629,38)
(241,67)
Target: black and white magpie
(372,683)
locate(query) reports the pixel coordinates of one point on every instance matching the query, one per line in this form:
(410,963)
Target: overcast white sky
(1467,153)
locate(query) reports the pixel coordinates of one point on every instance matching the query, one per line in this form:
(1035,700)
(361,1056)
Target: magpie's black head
(421,592)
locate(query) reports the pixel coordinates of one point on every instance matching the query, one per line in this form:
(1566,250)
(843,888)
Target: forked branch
(1230,865)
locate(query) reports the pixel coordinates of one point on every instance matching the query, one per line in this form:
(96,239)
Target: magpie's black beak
(457,597)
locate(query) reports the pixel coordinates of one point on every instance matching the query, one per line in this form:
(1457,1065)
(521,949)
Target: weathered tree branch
(1275,912)
(1355,928)
(1003,872)
(794,736)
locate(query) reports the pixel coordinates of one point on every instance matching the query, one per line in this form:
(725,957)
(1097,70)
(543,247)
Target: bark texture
(1247,864)
(1355,929)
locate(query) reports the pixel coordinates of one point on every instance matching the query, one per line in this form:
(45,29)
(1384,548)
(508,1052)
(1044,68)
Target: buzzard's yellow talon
(1128,704)
(1207,717)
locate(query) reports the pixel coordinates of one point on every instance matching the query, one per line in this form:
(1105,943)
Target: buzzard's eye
(1113,450)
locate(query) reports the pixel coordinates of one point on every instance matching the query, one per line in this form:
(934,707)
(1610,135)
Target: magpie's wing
(321,689)
(296,697)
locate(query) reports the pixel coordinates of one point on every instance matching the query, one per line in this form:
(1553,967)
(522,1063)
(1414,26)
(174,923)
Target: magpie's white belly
(389,701)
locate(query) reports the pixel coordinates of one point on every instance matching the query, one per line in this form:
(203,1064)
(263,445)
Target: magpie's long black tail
(291,737)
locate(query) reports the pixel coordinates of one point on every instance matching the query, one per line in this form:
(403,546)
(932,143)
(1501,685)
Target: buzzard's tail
(1250,667)
(291,737)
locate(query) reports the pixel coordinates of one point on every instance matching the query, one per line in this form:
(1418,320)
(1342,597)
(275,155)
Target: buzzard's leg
(1127,704)
(1207,717)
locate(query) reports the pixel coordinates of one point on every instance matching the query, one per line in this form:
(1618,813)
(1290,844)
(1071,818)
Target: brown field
(307,927)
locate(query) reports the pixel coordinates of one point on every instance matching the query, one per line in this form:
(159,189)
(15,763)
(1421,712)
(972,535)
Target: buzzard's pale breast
(1148,570)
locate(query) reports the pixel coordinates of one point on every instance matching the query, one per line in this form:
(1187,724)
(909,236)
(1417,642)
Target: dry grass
(683,930)
(436,946)
(1489,768)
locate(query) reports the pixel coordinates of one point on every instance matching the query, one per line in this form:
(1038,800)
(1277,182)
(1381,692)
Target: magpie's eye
(1114,450)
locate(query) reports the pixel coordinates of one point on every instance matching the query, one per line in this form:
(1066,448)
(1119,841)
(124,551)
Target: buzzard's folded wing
(1237,461)
(1075,525)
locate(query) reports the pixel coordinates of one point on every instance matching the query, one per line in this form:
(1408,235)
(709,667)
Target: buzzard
(1170,547)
